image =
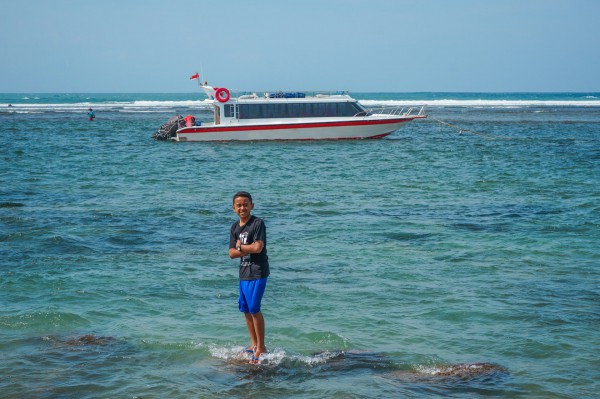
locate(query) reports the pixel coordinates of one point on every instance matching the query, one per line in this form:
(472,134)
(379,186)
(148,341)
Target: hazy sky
(359,45)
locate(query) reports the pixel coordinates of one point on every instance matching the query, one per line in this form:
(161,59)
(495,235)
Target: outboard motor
(167,130)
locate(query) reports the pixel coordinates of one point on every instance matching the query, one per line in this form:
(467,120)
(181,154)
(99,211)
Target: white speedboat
(292,116)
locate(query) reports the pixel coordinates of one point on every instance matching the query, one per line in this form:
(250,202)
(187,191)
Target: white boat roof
(306,99)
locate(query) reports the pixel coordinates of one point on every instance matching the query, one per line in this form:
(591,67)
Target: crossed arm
(254,248)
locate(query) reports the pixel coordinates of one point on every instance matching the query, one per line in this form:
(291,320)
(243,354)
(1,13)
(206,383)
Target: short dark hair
(244,194)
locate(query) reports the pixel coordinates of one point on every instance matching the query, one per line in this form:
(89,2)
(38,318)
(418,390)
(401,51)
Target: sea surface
(459,257)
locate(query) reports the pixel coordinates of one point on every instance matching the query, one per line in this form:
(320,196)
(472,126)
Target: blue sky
(363,46)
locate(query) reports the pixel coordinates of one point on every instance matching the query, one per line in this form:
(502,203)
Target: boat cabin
(282,105)
(277,109)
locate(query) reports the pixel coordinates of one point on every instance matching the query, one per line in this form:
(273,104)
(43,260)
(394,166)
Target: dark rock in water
(468,370)
(350,360)
(90,339)
(168,129)
(87,339)
(463,371)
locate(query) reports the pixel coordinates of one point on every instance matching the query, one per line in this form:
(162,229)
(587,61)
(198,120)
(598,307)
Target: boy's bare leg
(251,330)
(259,333)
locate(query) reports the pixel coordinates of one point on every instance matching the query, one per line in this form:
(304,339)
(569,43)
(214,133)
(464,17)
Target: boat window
(297,110)
(229,111)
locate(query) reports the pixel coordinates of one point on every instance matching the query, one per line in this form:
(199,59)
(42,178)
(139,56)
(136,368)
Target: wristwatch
(239,247)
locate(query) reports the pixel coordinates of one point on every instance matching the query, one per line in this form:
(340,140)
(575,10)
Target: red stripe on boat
(280,126)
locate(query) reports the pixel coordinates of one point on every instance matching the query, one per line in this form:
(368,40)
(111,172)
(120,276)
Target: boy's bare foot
(259,350)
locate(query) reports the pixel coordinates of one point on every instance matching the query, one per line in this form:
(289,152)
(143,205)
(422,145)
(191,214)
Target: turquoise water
(391,260)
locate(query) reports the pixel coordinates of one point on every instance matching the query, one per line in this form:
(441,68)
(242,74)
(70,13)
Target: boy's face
(242,207)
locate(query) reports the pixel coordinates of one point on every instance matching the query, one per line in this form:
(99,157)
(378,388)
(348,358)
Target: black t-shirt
(252,266)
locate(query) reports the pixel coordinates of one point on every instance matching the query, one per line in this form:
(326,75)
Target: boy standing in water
(248,241)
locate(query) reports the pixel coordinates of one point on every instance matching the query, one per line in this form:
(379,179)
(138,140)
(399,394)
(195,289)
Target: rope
(463,130)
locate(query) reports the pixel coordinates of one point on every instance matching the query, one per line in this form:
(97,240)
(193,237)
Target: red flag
(196,76)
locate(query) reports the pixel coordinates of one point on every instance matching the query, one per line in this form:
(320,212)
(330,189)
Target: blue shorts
(251,293)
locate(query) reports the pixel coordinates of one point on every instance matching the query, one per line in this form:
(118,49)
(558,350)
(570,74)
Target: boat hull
(332,130)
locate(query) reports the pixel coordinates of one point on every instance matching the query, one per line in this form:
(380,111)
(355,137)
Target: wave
(149,106)
(132,106)
(484,103)
(336,362)
(275,357)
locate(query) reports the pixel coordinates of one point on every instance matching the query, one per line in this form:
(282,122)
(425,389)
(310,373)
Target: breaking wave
(483,103)
(177,102)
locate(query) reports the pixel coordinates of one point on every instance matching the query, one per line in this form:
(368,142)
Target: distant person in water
(91,114)
(248,241)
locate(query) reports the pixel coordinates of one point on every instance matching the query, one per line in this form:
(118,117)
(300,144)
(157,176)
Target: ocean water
(458,257)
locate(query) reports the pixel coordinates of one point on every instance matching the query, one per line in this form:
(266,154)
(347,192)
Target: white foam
(482,103)
(171,104)
(148,106)
(236,354)
(162,106)
(273,358)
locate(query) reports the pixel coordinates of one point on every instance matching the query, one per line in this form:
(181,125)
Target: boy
(248,241)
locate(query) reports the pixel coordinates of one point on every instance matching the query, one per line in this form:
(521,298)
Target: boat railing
(395,111)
